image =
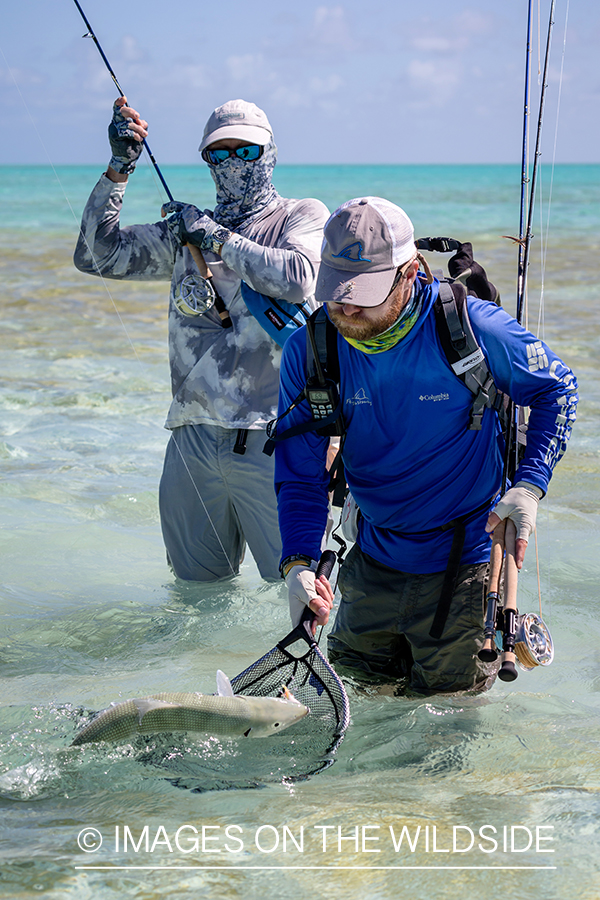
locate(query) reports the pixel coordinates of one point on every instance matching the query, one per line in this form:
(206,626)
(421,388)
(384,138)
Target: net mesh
(313,682)
(302,750)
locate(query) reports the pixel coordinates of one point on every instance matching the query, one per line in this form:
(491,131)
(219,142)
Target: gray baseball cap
(365,240)
(237,119)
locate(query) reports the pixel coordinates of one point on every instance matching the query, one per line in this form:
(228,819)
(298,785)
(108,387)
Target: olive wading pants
(213,501)
(382,627)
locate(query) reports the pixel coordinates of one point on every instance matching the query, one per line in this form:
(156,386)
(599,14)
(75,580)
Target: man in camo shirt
(216,491)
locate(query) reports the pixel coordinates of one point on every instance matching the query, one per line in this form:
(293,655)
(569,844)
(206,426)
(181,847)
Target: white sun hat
(240,120)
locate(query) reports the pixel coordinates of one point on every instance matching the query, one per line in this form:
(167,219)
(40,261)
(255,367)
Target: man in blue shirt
(413,465)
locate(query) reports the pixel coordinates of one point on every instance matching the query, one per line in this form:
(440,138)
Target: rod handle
(496,556)
(488,652)
(326,563)
(508,670)
(304,628)
(199,260)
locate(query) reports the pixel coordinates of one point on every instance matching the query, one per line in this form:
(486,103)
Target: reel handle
(199,260)
(488,652)
(207,274)
(508,671)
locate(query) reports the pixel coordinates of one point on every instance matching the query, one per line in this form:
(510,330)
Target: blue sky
(386,81)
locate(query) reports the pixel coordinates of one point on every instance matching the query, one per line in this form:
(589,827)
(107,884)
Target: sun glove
(125,148)
(520,504)
(190,226)
(300,581)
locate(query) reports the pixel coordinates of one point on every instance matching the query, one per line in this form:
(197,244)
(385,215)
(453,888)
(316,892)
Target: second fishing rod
(525,638)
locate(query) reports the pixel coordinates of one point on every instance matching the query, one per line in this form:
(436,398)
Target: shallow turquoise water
(90,613)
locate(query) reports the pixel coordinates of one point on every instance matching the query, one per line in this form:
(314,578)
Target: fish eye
(275,724)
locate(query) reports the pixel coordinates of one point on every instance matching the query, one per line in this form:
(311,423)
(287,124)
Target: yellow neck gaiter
(395,332)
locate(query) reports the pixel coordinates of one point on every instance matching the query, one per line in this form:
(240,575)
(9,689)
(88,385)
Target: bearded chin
(363,330)
(358,332)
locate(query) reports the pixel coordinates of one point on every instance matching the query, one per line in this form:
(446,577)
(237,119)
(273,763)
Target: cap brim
(254,134)
(360,288)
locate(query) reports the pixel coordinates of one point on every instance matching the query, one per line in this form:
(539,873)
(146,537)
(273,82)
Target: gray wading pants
(213,501)
(381,631)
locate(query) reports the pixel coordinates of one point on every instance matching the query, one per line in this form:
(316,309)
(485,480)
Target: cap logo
(232,115)
(352,252)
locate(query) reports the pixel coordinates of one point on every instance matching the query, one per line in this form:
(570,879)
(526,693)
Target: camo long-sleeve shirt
(219,376)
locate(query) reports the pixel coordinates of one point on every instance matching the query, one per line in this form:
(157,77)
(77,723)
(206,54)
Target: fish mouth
(287,695)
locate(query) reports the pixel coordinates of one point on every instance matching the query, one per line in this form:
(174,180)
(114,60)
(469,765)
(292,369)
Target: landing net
(205,764)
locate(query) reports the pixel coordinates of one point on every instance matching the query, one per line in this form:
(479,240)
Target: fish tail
(113,724)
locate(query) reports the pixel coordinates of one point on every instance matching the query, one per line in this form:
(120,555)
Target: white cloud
(435,81)
(292,97)
(17,76)
(330,28)
(430,43)
(461,33)
(131,50)
(474,22)
(327,85)
(192,76)
(246,67)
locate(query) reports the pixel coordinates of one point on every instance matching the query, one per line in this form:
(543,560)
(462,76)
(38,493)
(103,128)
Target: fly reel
(533,644)
(194,295)
(525,638)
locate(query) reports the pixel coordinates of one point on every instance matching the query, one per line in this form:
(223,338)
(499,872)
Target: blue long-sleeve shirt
(412,464)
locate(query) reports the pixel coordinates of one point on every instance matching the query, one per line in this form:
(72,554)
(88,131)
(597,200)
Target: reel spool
(533,643)
(194,295)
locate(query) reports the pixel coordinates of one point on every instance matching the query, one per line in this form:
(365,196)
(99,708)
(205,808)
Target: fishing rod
(524,263)
(90,34)
(511,459)
(521,276)
(525,638)
(193,295)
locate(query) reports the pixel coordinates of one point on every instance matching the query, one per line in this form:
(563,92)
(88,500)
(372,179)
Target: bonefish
(223,713)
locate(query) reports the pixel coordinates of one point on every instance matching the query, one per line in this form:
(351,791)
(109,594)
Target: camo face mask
(244,187)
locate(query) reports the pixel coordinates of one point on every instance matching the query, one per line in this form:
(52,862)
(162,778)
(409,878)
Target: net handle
(303,631)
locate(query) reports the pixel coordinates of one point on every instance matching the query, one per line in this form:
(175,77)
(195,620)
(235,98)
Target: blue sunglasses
(249,153)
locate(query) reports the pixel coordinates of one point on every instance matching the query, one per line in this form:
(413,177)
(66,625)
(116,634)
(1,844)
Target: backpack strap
(462,351)
(325,342)
(321,389)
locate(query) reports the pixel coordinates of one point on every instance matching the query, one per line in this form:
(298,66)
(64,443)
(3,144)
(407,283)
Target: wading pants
(213,501)
(382,627)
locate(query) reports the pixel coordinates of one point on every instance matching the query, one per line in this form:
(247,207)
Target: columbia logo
(536,357)
(435,397)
